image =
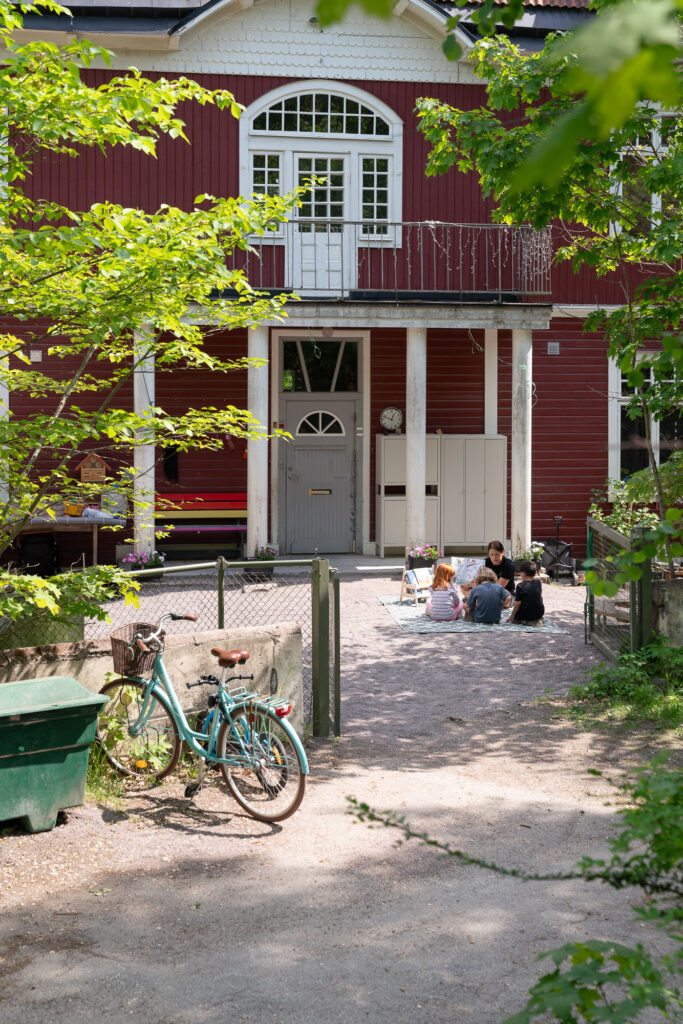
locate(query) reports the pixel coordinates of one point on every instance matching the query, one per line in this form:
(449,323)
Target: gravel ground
(166,912)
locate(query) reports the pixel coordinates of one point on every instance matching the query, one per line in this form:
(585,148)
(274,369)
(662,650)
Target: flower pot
(420,563)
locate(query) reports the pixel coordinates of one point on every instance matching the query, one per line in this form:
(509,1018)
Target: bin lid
(48,693)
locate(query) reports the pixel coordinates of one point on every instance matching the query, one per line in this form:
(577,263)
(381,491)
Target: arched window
(334,132)
(320,422)
(321,113)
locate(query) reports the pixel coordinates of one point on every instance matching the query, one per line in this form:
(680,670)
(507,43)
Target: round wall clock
(391,418)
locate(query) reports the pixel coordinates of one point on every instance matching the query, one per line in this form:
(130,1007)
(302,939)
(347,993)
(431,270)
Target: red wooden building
(435,376)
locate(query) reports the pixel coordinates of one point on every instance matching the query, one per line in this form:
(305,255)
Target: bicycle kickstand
(193,788)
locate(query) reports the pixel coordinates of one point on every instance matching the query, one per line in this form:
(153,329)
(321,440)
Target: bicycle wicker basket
(128,658)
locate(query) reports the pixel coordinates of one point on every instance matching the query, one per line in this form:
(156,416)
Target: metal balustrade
(407,261)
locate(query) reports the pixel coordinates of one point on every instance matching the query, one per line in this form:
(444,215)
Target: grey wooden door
(320,478)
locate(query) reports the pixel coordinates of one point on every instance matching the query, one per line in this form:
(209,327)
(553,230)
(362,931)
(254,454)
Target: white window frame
(657,145)
(616,401)
(353,147)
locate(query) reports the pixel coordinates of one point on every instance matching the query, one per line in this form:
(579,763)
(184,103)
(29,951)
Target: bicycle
(142,728)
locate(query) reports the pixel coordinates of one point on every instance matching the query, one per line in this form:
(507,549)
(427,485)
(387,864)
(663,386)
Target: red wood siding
(211,164)
(226,468)
(569,452)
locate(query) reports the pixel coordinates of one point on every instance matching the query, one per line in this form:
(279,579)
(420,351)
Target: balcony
(427,261)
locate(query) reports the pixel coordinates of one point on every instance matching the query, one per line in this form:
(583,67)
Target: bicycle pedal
(192,789)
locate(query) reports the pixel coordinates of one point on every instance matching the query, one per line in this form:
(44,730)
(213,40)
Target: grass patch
(642,688)
(103,785)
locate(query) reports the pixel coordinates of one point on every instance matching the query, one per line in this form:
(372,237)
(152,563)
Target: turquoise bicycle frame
(203,744)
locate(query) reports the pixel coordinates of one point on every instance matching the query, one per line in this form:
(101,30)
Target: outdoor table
(69,524)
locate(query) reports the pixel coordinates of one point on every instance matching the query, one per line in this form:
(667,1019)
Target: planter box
(420,563)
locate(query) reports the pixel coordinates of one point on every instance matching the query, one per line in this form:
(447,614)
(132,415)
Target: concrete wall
(276,656)
(667,607)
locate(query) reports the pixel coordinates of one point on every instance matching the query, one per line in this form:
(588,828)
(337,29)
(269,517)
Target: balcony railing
(402,261)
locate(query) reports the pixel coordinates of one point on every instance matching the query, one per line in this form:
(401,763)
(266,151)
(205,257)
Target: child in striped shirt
(444,603)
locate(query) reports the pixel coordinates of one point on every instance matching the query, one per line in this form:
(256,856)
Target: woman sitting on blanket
(443,603)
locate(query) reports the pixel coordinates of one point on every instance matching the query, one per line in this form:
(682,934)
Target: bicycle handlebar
(154,636)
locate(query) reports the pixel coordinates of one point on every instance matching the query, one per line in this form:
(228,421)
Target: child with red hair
(444,603)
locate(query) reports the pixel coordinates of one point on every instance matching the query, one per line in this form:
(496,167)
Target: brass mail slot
(320,490)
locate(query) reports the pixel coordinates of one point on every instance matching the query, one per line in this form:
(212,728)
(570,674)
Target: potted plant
(262,570)
(532,554)
(136,560)
(423,556)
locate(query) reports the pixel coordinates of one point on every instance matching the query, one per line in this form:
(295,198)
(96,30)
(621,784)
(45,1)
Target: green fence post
(337,654)
(641,628)
(220,564)
(320,620)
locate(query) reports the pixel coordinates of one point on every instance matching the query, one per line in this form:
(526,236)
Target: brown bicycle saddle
(228,659)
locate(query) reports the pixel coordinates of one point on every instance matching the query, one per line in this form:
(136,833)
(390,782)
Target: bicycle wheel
(155,751)
(271,786)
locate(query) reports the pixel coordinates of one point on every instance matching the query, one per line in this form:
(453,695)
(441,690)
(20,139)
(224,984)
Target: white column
(416,428)
(491,381)
(144,454)
(520,463)
(257,448)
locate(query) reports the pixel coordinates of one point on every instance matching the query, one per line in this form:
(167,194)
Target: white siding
(276,37)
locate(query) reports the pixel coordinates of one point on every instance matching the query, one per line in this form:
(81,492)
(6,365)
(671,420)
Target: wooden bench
(203,512)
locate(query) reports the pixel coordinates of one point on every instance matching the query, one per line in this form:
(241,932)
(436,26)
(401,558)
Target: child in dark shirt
(528,609)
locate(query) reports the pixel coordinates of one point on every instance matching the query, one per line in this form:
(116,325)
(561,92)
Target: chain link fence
(231,595)
(622,621)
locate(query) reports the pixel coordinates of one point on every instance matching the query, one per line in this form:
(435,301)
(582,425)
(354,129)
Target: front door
(320,476)
(319,467)
(321,261)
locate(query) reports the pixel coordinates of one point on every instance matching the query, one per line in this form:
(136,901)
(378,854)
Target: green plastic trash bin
(46,728)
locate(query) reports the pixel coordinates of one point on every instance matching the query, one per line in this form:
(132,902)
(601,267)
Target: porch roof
(338,313)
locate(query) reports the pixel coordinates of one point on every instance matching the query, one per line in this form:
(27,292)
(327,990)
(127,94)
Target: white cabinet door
(473,489)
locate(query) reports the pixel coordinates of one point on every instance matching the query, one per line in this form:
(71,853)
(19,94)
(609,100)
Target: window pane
(292,374)
(670,435)
(347,378)
(260,122)
(321,360)
(291,122)
(633,450)
(322,101)
(306,101)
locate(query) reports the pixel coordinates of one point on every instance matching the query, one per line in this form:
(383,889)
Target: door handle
(320,490)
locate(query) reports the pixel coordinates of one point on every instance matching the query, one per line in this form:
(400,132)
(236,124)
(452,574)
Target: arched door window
(320,422)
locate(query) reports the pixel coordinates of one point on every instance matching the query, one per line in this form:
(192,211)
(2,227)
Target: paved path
(169,914)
